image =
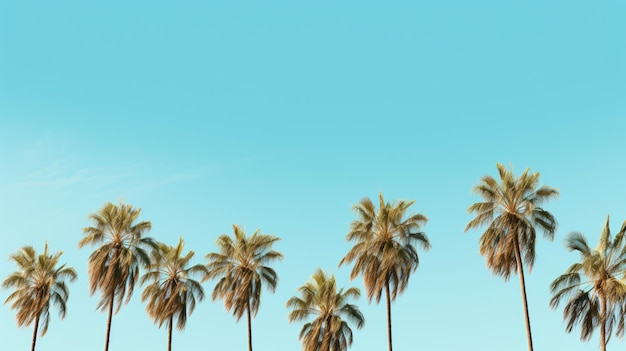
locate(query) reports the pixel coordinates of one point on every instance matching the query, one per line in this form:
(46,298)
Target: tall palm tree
(594,285)
(329,331)
(511,210)
(38,282)
(384,252)
(241,269)
(172,291)
(114,265)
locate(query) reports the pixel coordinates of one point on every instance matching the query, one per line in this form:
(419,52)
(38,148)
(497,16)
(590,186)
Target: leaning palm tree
(114,265)
(511,210)
(594,285)
(38,282)
(329,330)
(241,269)
(384,252)
(172,291)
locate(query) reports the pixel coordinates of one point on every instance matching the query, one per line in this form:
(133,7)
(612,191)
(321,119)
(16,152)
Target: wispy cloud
(164,181)
(54,175)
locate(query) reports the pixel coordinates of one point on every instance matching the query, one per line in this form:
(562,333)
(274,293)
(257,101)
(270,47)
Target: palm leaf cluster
(38,283)
(594,287)
(329,330)
(512,213)
(114,265)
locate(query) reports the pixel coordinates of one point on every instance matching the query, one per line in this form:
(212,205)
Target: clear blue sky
(281,114)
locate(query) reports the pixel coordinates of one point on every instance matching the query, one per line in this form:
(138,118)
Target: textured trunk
(35,333)
(388,316)
(169,333)
(602,322)
(249,328)
(326,338)
(106,342)
(520,271)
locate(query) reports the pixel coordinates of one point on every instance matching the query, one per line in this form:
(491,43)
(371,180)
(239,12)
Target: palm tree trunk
(388,316)
(106,342)
(249,327)
(169,333)
(520,271)
(602,322)
(35,333)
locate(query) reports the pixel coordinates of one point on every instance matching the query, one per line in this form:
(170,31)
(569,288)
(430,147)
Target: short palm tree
(114,265)
(172,291)
(594,285)
(511,210)
(384,252)
(329,330)
(37,283)
(241,267)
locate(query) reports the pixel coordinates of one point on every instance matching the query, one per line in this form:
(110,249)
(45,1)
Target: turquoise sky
(281,114)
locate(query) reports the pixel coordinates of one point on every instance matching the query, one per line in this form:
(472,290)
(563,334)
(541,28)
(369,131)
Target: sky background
(282,114)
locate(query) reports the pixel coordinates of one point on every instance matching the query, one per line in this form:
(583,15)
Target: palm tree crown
(241,267)
(37,283)
(384,252)
(329,331)
(511,210)
(172,291)
(114,266)
(594,285)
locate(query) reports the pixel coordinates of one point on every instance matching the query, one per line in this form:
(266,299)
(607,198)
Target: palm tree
(593,285)
(172,291)
(37,283)
(329,331)
(511,210)
(241,269)
(114,266)
(384,252)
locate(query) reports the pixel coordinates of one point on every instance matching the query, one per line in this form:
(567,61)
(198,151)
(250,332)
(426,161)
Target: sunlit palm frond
(593,287)
(38,283)
(171,290)
(331,312)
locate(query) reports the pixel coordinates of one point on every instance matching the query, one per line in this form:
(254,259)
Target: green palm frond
(241,270)
(320,299)
(385,241)
(38,283)
(114,265)
(592,285)
(511,211)
(171,290)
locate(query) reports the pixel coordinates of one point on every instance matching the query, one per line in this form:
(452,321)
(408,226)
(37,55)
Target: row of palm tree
(595,287)
(240,266)
(384,254)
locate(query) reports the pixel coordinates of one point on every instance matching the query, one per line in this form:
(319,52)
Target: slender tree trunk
(249,328)
(326,338)
(169,333)
(35,333)
(327,335)
(520,271)
(602,322)
(388,316)
(106,342)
